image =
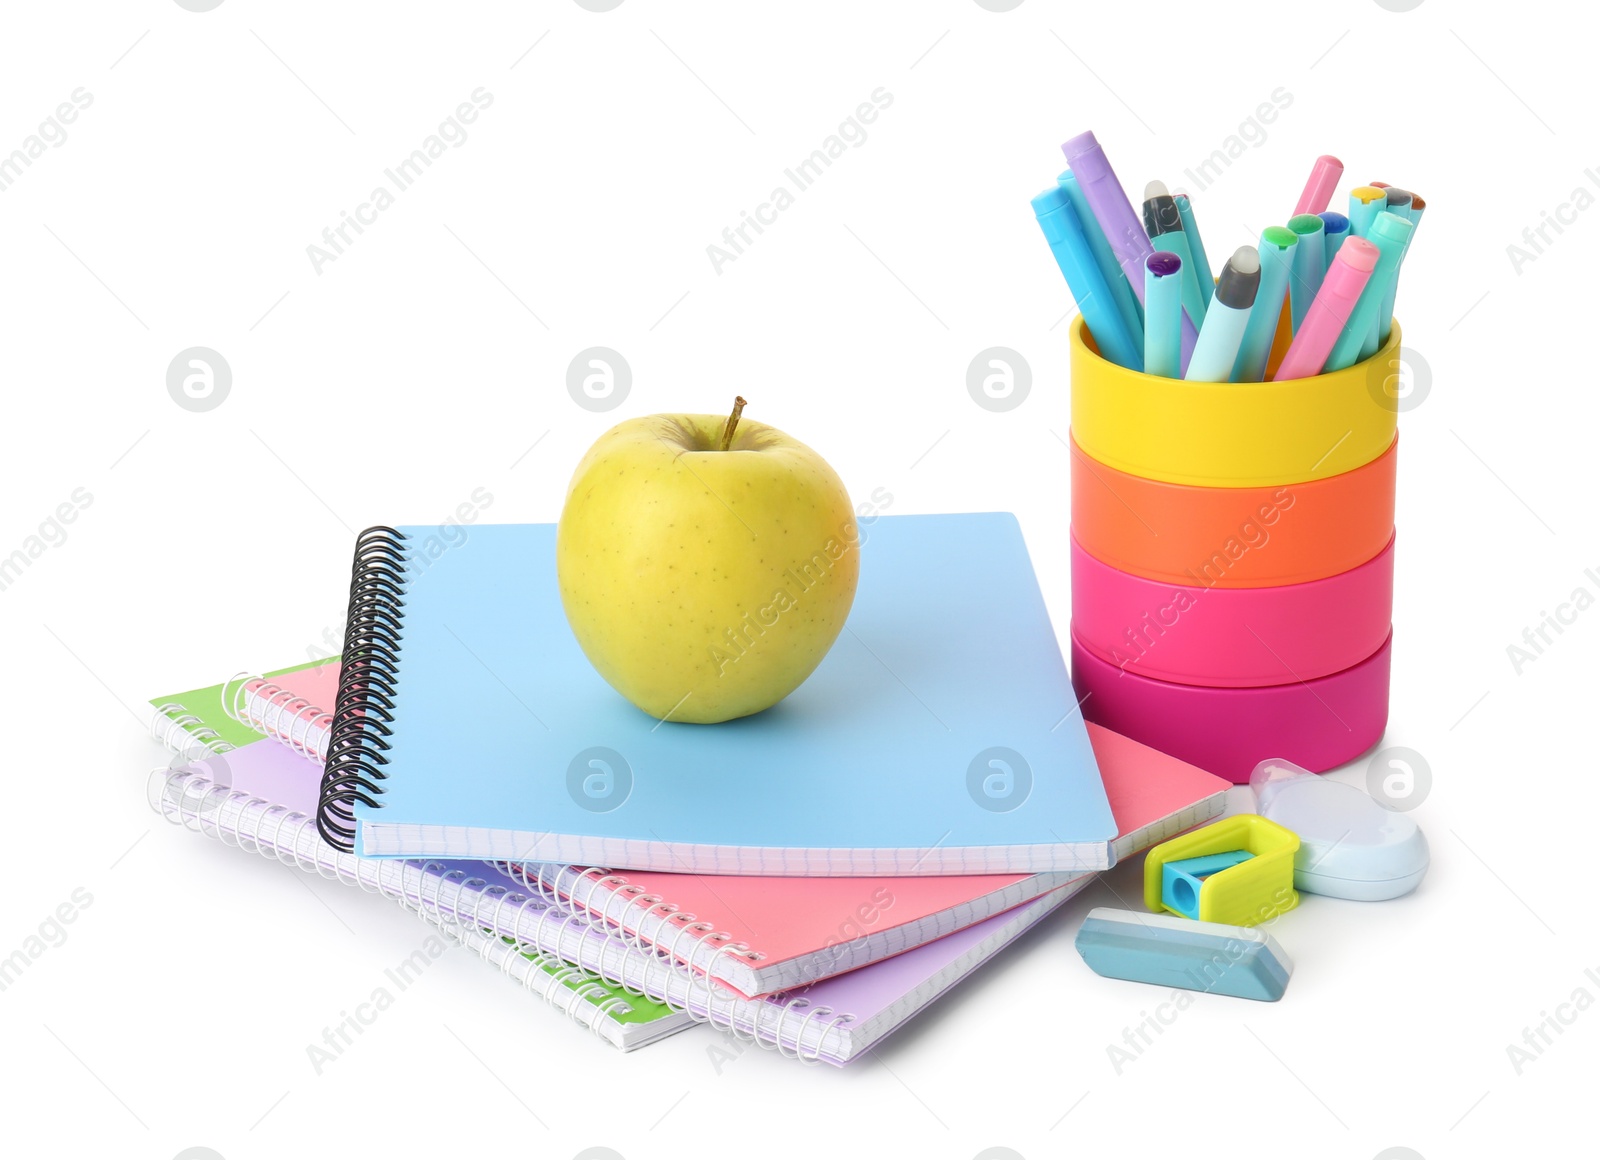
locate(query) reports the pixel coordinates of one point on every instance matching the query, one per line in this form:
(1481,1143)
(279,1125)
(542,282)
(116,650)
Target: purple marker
(1118,221)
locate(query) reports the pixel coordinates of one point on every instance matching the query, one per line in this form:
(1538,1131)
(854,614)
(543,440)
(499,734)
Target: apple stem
(733,421)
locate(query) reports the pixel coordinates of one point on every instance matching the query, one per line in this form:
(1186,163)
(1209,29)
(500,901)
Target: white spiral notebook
(834,1021)
(200,801)
(761,935)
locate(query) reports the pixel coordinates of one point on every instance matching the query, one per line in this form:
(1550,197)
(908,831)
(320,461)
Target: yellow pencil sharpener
(1238,871)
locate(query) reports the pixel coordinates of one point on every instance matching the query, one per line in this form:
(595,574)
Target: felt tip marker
(1341,288)
(1380,334)
(1310,263)
(1366,203)
(1163,310)
(1399,200)
(1121,293)
(1276,251)
(1217,349)
(1070,245)
(1196,246)
(1390,232)
(1121,225)
(1164,224)
(1335,229)
(1417,206)
(1324,179)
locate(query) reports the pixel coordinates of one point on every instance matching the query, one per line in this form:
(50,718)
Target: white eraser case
(1351,845)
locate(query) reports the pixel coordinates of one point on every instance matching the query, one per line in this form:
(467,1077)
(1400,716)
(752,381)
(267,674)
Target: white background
(426,360)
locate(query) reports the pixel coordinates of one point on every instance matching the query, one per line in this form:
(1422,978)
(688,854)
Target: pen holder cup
(1280,497)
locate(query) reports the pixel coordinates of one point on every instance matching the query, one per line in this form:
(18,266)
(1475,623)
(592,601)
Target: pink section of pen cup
(1317,724)
(1231,637)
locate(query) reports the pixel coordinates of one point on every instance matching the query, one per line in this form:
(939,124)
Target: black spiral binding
(369,668)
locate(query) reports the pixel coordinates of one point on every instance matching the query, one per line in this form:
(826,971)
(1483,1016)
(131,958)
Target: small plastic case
(1351,845)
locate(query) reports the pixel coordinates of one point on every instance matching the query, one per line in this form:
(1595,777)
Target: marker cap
(1085,156)
(1280,236)
(1163,263)
(1334,222)
(1390,227)
(1358,254)
(1305,224)
(1240,280)
(1047,208)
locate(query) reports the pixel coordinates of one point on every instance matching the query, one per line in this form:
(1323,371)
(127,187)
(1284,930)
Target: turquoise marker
(1335,229)
(1310,264)
(1122,294)
(1412,213)
(1366,203)
(1276,252)
(1164,225)
(1163,314)
(1070,245)
(1196,246)
(1390,233)
(1217,348)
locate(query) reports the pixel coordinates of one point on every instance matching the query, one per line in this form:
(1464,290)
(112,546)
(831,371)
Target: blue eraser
(1167,951)
(1181,880)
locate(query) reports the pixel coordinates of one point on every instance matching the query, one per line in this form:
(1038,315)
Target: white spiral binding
(622,905)
(484,917)
(172,723)
(190,799)
(252,700)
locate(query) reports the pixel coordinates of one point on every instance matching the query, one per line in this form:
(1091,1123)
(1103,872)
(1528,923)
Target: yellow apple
(706,564)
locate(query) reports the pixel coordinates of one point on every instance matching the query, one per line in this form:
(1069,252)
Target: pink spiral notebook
(759,935)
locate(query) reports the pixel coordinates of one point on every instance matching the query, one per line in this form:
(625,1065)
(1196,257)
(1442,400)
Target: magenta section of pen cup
(1231,637)
(1317,724)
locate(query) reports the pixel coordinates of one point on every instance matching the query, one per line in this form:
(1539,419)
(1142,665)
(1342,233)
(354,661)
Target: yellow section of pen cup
(1232,434)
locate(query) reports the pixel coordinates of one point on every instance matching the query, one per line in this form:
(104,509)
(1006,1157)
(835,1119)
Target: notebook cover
(202,704)
(939,736)
(818,924)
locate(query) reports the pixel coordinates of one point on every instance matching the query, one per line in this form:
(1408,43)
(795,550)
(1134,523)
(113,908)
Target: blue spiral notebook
(939,736)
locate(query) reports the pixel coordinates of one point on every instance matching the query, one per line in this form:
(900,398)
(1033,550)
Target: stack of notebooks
(809,878)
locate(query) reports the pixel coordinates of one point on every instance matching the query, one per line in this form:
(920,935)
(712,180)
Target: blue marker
(1310,264)
(1335,229)
(1196,246)
(1163,314)
(1276,252)
(1217,348)
(1070,245)
(1389,232)
(1121,292)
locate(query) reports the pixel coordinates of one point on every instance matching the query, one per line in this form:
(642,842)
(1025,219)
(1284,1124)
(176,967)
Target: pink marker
(1329,311)
(1325,175)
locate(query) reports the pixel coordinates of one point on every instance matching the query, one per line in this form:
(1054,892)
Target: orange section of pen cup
(1227,537)
(1237,435)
